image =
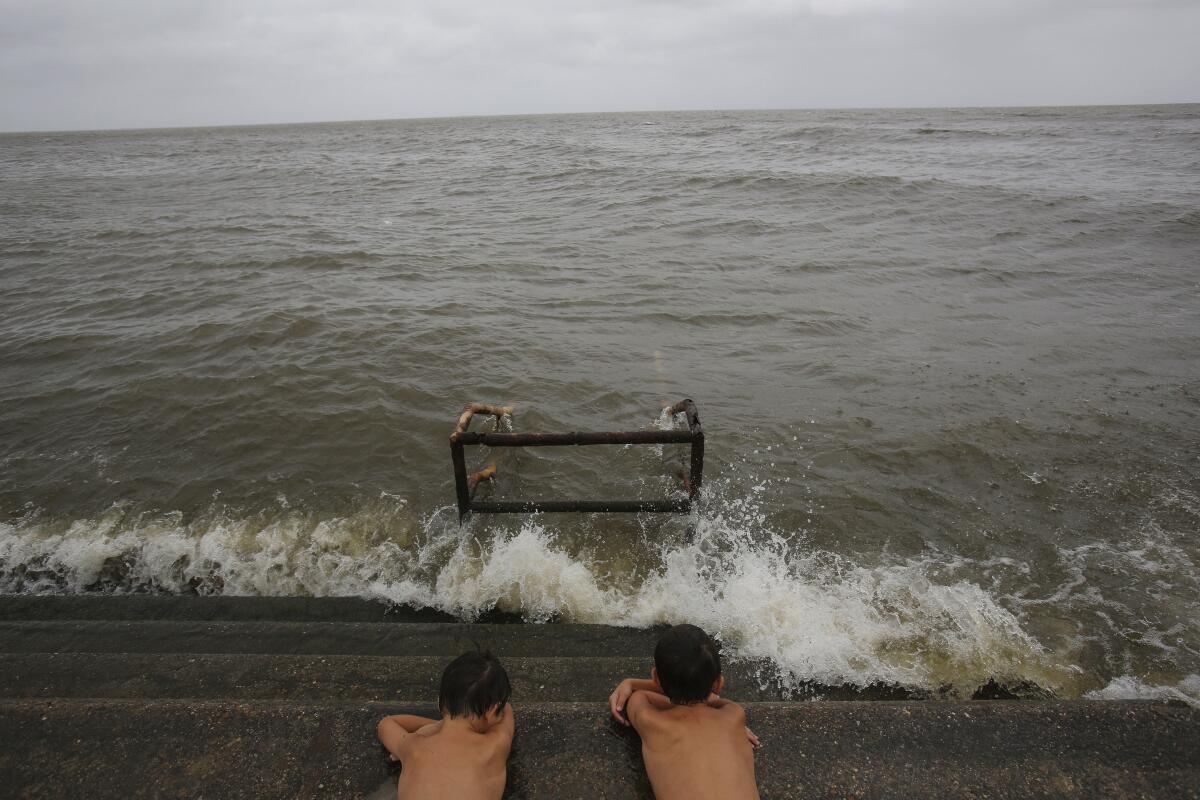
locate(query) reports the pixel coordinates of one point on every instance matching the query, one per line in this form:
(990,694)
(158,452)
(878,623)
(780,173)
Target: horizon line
(434,117)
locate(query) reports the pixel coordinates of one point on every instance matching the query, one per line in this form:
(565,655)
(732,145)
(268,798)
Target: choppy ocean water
(946,361)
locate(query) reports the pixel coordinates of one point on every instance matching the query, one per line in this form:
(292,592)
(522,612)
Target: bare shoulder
(641,711)
(503,731)
(731,710)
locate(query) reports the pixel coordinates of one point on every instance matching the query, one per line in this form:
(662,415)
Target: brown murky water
(945,359)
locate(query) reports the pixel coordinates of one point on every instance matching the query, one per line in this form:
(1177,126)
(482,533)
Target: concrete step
(225,609)
(246,677)
(218,750)
(320,638)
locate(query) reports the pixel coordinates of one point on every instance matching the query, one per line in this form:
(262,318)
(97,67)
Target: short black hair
(688,664)
(473,683)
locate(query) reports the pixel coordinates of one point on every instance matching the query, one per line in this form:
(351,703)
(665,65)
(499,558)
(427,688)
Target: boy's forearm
(430,729)
(656,698)
(410,722)
(629,689)
(643,685)
(651,689)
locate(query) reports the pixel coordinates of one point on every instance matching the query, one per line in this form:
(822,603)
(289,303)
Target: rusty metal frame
(465,484)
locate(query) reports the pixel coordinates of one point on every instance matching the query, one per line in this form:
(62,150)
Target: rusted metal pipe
(471,409)
(462,490)
(575,438)
(465,485)
(695,477)
(486,474)
(681,506)
(688,408)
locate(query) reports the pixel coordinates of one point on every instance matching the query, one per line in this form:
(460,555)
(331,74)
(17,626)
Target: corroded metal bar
(486,474)
(681,506)
(471,409)
(465,484)
(575,438)
(696,475)
(461,490)
(688,408)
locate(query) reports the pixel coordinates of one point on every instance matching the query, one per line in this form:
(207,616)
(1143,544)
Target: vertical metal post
(697,471)
(461,490)
(695,475)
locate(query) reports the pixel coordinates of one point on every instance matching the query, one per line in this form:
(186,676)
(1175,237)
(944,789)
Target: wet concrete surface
(224,609)
(319,638)
(248,676)
(195,607)
(362,678)
(220,749)
(165,697)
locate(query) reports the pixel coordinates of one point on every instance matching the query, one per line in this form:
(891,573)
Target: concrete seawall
(278,698)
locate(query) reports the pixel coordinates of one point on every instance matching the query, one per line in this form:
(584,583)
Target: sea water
(945,361)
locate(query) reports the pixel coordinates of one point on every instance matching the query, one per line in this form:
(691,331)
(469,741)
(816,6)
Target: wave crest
(816,616)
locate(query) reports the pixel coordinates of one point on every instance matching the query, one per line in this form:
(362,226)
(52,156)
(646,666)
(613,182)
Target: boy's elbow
(382,727)
(634,707)
(391,735)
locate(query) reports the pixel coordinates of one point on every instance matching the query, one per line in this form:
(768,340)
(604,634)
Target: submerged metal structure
(465,484)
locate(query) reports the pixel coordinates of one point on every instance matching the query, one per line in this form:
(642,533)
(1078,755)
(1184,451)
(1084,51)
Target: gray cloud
(129,63)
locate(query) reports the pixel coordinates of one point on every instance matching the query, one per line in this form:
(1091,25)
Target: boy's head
(687,665)
(474,685)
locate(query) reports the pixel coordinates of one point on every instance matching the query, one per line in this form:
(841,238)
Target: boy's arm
(642,705)
(429,730)
(395,731)
(625,689)
(411,723)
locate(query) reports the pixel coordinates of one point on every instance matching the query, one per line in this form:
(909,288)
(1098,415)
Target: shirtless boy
(696,746)
(464,755)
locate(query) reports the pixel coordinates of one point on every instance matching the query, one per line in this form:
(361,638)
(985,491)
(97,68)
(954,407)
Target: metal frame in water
(465,484)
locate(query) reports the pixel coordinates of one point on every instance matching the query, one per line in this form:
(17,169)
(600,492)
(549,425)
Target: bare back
(455,764)
(695,752)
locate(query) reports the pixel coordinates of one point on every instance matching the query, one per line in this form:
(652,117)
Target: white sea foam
(1127,687)
(814,615)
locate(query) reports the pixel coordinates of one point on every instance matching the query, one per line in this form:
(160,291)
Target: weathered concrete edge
(241,677)
(317,638)
(94,606)
(148,623)
(49,748)
(229,608)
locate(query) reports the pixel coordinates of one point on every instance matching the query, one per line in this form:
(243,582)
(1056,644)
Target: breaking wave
(816,616)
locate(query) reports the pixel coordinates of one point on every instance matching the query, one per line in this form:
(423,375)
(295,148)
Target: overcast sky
(70,64)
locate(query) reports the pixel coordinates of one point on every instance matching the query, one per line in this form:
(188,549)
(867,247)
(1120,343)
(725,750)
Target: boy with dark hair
(464,754)
(695,744)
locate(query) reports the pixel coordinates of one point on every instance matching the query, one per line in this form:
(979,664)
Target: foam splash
(527,574)
(814,615)
(287,554)
(1128,687)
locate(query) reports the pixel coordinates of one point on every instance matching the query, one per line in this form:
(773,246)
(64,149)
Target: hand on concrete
(752,737)
(618,699)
